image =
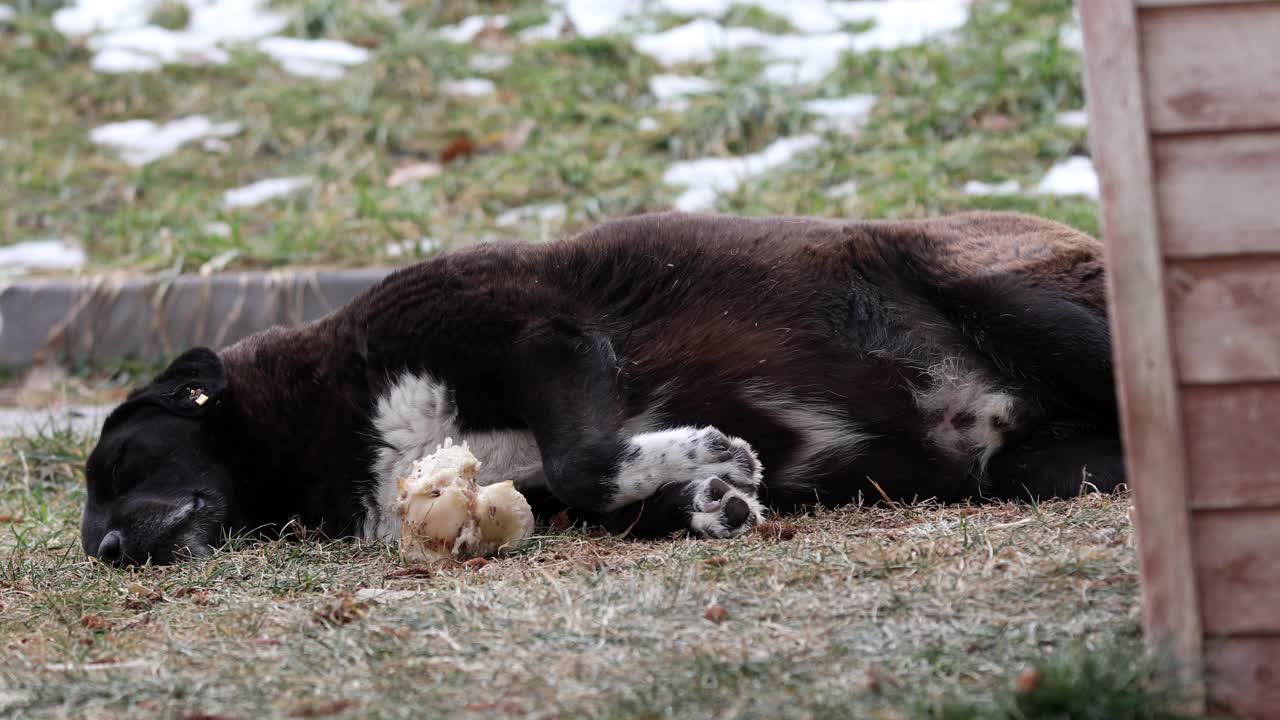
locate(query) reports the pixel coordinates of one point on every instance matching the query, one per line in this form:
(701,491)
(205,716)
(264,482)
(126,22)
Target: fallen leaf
(10,519)
(475,563)
(774,530)
(716,561)
(1028,681)
(716,614)
(460,147)
(142,597)
(95,622)
(414,172)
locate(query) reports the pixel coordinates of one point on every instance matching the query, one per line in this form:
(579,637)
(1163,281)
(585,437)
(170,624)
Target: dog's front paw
(730,459)
(721,510)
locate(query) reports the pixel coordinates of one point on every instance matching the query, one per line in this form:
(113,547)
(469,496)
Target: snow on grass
(91,16)
(263,190)
(706,178)
(124,42)
(1074,119)
(140,142)
(40,255)
(550,30)
(7,13)
(673,91)
(846,113)
(1073,176)
(469,28)
(422,246)
(978,187)
(846,189)
(809,57)
(322,59)
(488,63)
(593,18)
(468,87)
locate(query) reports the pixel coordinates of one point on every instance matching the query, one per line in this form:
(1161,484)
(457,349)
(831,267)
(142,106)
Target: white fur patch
(826,432)
(955,391)
(412,419)
(682,455)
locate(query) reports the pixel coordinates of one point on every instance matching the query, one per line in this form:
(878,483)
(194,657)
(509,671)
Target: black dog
(658,373)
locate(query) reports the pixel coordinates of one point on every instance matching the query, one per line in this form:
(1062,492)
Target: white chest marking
(412,418)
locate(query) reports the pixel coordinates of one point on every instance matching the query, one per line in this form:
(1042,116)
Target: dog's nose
(111,549)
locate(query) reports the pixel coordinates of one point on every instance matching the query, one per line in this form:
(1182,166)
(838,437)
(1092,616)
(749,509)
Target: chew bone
(445,514)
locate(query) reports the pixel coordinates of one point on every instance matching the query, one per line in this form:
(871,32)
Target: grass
(1007,611)
(562,128)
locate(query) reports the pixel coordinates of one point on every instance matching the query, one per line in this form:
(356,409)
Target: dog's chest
(412,418)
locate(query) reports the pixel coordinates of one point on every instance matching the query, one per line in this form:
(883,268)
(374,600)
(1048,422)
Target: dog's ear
(193,385)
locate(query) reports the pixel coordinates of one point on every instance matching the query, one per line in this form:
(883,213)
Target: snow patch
(1073,176)
(41,255)
(593,18)
(846,189)
(7,13)
(423,246)
(550,30)
(322,59)
(1074,119)
(977,187)
(705,179)
(263,190)
(469,28)
(139,142)
(807,58)
(673,91)
(468,87)
(124,42)
(486,63)
(846,113)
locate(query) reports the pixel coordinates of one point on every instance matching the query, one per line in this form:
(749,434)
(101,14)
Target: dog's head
(158,482)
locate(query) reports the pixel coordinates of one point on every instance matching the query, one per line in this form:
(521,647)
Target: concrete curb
(103,319)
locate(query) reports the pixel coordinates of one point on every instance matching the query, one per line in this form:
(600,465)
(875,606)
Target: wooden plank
(1212,67)
(1233,459)
(1225,316)
(1244,676)
(1217,193)
(1237,555)
(1154,453)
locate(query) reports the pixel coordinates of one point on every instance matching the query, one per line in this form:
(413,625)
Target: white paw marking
(683,455)
(720,511)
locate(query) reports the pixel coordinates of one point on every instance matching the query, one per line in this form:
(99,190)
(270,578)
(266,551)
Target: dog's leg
(1057,460)
(573,403)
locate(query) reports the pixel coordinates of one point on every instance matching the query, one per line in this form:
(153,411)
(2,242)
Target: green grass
(982,108)
(914,613)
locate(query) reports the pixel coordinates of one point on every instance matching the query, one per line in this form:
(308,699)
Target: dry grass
(860,613)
